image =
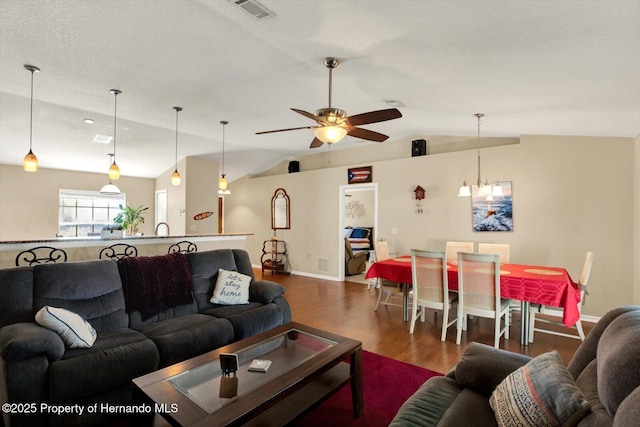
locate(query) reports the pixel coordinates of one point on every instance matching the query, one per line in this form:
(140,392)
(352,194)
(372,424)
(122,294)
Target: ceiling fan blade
(367,134)
(306,114)
(374,117)
(285,130)
(316,143)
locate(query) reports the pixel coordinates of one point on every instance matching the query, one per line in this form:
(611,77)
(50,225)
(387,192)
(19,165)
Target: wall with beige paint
(570,195)
(29,201)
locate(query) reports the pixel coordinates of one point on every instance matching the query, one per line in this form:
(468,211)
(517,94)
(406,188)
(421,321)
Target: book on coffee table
(259,365)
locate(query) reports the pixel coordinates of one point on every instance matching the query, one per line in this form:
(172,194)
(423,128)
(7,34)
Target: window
(85,213)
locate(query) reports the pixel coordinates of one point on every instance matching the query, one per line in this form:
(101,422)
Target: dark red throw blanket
(154,283)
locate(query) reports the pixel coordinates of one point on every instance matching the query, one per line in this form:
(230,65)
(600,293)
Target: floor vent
(254,8)
(323,265)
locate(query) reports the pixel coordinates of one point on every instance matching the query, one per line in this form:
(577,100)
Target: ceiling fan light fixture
(330,134)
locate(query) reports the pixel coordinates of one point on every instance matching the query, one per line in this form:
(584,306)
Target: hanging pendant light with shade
(110,189)
(223,185)
(114,170)
(484,189)
(175,177)
(30,162)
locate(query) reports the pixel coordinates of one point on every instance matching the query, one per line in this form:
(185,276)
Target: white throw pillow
(231,288)
(73,329)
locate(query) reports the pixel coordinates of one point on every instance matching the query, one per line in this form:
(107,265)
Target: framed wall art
(360,175)
(494,213)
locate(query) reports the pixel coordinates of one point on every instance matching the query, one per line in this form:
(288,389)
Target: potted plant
(129,218)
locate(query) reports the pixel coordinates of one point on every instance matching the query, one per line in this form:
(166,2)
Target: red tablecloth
(532,283)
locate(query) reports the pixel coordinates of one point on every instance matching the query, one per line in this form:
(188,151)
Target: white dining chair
(452,249)
(479,293)
(431,288)
(557,312)
(501,249)
(381,249)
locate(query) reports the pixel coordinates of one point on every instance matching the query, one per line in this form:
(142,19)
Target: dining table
(529,284)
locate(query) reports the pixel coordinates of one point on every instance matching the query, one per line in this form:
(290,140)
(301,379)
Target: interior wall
(176,199)
(570,195)
(29,201)
(359,208)
(636,221)
(201,196)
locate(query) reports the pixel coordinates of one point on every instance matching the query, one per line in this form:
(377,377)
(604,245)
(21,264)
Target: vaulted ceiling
(561,67)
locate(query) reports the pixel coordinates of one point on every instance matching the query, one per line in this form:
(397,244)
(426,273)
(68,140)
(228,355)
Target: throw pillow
(231,288)
(73,329)
(541,393)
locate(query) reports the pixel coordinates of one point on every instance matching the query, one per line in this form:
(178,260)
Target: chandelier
(480,189)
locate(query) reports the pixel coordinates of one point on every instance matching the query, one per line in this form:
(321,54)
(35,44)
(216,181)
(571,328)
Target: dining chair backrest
(381,249)
(501,249)
(40,255)
(118,251)
(184,246)
(452,249)
(584,276)
(429,276)
(479,281)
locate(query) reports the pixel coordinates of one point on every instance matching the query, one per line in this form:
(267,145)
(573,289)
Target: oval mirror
(280,215)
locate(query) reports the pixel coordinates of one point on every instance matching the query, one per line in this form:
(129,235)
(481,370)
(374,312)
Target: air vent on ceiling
(254,8)
(102,139)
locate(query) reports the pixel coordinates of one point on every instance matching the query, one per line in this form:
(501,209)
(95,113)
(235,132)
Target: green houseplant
(130,217)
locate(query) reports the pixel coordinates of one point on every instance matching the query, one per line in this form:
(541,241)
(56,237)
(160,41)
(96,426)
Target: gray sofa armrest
(264,291)
(21,341)
(482,367)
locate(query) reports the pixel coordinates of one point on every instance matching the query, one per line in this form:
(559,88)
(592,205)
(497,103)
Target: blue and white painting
(493,215)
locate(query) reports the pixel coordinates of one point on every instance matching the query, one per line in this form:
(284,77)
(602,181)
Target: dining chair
(431,288)
(479,292)
(557,312)
(381,249)
(452,249)
(183,246)
(501,249)
(40,255)
(118,251)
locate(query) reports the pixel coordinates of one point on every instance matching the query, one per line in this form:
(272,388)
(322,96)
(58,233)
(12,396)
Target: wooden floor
(346,308)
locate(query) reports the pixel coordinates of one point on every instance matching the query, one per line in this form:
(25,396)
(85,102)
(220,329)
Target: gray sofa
(606,369)
(36,366)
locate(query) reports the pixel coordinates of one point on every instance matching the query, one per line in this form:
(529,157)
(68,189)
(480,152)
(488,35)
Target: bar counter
(88,248)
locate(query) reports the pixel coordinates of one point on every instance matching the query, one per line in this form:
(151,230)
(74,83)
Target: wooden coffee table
(308,365)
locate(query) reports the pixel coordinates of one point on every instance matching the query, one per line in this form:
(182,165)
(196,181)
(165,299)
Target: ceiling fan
(333,123)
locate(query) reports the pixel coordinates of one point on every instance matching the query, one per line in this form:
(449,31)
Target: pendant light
(110,189)
(484,188)
(30,162)
(223,186)
(175,177)
(114,170)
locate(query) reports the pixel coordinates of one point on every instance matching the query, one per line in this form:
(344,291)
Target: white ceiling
(533,67)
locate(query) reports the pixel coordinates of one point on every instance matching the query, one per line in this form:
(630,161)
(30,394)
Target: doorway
(358,206)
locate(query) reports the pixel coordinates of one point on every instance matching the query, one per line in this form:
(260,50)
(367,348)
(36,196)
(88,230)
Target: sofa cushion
(250,319)
(541,393)
(114,359)
(73,329)
(92,289)
(618,371)
(23,341)
(428,404)
(264,291)
(231,288)
(204,271)
(16,304)
(187,336)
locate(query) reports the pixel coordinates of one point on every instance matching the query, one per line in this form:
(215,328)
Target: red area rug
(387,383)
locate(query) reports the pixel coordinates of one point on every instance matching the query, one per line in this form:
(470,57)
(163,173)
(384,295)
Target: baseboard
(305,274)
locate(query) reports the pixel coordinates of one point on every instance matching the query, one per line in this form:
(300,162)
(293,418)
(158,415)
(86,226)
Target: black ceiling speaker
(418,148)
(294,166)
